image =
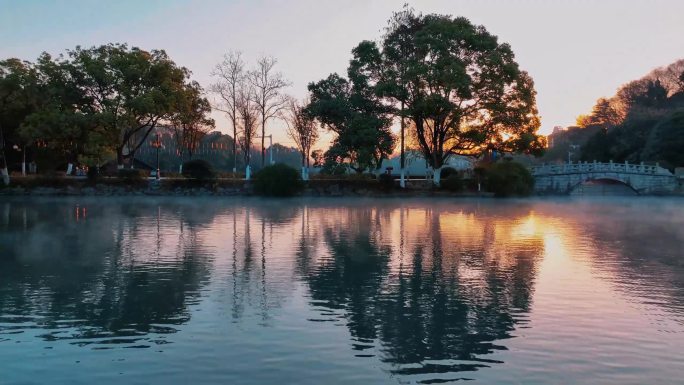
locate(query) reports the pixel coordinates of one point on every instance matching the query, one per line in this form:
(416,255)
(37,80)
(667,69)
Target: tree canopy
(460,87)
(352,111)
(640,123)
(18,99)
(96,102)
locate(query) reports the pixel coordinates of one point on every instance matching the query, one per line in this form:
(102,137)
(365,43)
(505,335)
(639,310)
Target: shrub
(93,173)
(386,181)
(334,168)
(446,172)
(198,169)
(453,182)
(278,180)
(129,174)
(509,178)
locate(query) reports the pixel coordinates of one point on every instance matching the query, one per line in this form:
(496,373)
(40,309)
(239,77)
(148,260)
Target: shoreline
(219,188)
(172,187)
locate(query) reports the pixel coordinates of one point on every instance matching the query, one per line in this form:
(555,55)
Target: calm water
(183,291)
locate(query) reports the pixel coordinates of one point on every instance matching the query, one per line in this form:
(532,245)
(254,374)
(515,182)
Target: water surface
(176,291)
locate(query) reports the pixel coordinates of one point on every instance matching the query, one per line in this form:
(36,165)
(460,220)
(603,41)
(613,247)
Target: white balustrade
(574,168)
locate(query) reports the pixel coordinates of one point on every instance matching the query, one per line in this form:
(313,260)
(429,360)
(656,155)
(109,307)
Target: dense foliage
(351,110)
(96,104)
(508,178)
(641,123)
(386,181)
(278,180)
(461,89)
(131,174)
(453,183)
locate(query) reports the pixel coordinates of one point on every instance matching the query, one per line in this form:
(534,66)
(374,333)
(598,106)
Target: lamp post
(270,146)
(157,144)
(23,161)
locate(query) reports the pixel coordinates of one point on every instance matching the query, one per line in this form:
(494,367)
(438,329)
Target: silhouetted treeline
(642,122)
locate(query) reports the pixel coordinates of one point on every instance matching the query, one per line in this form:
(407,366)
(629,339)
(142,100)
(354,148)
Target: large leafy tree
(352,111)
(460,87)
(130,90)
(65,124)
(104,101)
(18,99)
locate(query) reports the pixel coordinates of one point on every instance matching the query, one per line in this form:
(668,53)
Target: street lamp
(157,144)
(23,162)
(270,145)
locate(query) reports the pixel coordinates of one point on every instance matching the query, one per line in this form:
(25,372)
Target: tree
(248,113)
(357,116)
(189,120)
(231,76)
(268,86)
(461,88)
(396,45)
(301,127)
(18,95)
(130,90)
(318,158)
(666,141)
(65,123)
(604,115)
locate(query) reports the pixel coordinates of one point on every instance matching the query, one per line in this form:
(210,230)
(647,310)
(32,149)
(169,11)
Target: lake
(341,291)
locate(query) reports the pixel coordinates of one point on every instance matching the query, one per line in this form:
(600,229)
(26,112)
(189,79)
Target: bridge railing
(587,167)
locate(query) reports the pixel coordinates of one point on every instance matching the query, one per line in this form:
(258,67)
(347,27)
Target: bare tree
(248,114)
(268,96)
(230,75)
(302,128)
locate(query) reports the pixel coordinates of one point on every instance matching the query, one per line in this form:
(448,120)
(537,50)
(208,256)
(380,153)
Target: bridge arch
(604,181)
(566,177)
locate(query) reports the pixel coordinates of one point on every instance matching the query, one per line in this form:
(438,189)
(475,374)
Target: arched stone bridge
(563,178)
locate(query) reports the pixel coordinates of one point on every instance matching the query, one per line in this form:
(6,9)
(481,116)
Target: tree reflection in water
(440,308)
(127,279)
(431,289)
(401,278)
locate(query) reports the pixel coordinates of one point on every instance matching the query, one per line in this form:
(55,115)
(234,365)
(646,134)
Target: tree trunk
(131,157)
(303,166)
(263,142)
(436,176)
(234,145)
(402,156)
(3,160)
(119,158)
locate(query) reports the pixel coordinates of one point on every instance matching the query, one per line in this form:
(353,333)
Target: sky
(575,50)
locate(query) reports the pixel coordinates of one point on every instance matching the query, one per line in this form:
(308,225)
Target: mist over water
(250,291)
